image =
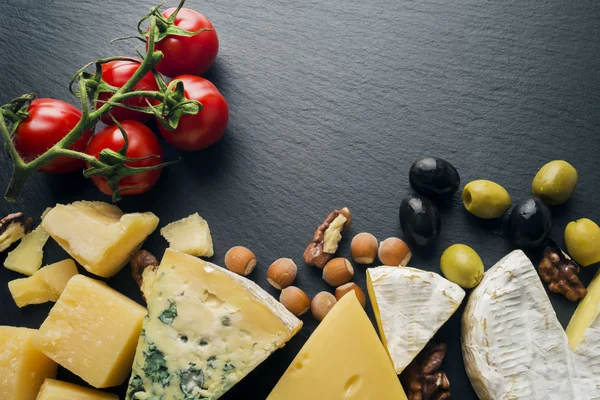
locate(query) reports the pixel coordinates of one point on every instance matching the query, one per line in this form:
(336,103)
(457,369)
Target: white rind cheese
(514,346)
(410,306)
(205,330)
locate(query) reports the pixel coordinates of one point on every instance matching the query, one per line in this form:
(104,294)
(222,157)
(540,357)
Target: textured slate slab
(330,103)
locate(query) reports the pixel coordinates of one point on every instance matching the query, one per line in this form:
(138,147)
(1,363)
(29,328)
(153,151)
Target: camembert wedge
(410,306)
(98,235)
(205,330)
(342,359)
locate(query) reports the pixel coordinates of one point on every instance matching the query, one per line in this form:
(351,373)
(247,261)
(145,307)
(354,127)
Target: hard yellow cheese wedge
(57,390)
(23,368)
(586,314)
(92,331)
(27,257)
(45,285)
(206,329)
(190,235)
(342,360)
(98,235)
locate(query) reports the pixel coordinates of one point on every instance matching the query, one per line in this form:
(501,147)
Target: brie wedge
(410,306)
(514,346)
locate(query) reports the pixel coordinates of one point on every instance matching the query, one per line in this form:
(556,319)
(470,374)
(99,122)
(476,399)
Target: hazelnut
(240,260)
(295,300)
(360,295)
(321,304)
(394,251)
(338,271)
(346,213)
(364,248)
(282,273)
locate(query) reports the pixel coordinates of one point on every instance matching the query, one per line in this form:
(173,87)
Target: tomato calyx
(166,26)
(13,113)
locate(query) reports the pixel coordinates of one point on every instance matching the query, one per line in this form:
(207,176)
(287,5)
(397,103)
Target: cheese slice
(98,235)
(410,306)
(586,313)
(342,360)
(26,258)
(92,331)
(57,390)
(205,330)
(23,368)
(190,235)
(514,346)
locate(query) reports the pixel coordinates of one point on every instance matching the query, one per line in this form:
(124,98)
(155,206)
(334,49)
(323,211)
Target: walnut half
(12,228)
(423,378)
(326,238)
(143,269)
(560,272)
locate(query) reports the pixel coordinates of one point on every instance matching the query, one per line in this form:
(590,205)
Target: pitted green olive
(486,199)
(462,265)
(555,182)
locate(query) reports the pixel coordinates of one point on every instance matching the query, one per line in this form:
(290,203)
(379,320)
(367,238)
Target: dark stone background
(330,104)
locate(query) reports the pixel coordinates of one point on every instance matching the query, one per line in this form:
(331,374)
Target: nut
(338,271)
(321,304)
(139,262)
(560,272)
(364,248)
(423,379)
(348,287)
(12,228)
(295,300)
(326,238)
(282,273)
(240,260)
(394,251)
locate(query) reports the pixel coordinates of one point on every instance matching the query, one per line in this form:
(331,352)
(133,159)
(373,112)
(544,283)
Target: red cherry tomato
(117,73)
(142,143)
(196,132)
(188,55)
(49,121)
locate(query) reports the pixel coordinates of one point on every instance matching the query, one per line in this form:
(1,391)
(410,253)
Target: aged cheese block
(26,258)
(190,235)
(23,368)
(45,285)
(342,360)
(98,235)
(57,390)
(205,330)
(410,306)
(92,331)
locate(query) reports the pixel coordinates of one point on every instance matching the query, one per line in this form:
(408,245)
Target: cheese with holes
(410,306)
(98,235)
(190,235)
(23,368)
(26,258)
(342,359)
(514,346)
(92,331)
(57,390)
(205,330)
(47,284)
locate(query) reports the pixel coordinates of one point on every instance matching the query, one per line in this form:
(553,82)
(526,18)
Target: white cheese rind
(411,306)
(513,345)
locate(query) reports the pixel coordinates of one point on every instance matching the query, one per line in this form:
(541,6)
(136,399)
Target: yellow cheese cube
(98,235)
(190,235)
(45,285)
(27,257)
(92,331)
(57,390)
(23,368)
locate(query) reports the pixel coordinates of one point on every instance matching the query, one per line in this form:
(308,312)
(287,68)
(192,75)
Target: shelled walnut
(143,269)
(560,272)
(12,228)
(327,237)
(423,379)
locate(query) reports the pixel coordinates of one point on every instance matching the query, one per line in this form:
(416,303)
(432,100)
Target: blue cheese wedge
(205,330)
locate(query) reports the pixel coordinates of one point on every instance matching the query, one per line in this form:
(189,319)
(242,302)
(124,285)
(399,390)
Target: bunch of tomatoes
(186,58)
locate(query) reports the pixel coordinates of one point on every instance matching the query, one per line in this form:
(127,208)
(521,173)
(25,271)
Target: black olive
(433,176)
(530,223)
(420,220)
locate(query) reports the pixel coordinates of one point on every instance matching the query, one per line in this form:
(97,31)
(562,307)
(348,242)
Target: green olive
(555,182)
(462,265)
(486,199)
(582,238)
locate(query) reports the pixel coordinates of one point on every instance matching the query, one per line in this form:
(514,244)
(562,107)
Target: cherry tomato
(142,143)
(188,55)
(117,73)
(196,132)
(49,121)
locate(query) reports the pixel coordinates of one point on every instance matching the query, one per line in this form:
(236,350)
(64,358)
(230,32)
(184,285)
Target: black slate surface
(330,104)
